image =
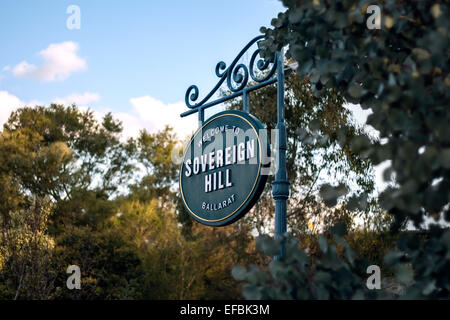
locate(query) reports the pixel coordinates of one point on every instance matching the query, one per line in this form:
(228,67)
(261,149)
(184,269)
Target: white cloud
(146,113)
(23,69)
(60,61)
(8,103)
(78,99)
(153,115)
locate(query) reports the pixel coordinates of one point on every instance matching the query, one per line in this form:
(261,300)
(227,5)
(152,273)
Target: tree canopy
(400,72)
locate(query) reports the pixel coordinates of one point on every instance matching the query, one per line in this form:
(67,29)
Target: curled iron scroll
(237,76)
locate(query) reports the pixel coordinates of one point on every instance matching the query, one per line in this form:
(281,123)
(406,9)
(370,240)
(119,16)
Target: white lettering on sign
(219,130)
(219,205)
(217,159)
(196,165)
(223,180)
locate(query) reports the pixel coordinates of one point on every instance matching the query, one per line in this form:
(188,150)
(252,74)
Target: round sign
(222,173)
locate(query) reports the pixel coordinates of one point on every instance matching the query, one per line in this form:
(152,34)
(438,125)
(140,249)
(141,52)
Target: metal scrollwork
(237,76)
(262,65)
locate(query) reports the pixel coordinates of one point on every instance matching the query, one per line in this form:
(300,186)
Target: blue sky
(149,51)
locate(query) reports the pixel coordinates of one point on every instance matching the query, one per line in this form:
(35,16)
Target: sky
(134,58)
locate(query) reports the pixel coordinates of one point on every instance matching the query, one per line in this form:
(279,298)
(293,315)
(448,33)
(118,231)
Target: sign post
(218,192)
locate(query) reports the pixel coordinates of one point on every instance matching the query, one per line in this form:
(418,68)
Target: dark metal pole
(280,186)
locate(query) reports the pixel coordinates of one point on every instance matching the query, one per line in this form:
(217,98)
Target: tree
(59,168)
(400,72)
(182,259)
(73,192)
(153,152)
(319,130)
(27,253)
(68,155)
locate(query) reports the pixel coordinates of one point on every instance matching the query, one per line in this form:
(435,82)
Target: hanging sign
(222,174)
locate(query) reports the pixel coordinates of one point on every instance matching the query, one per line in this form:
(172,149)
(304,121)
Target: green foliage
(27,257)
(298,276)
(154,153)
(61,205)
(424,261)
(319,131)
(110,267)
(400,72)
(61,152)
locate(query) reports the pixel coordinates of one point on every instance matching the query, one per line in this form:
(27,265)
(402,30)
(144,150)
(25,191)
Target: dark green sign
(223,169)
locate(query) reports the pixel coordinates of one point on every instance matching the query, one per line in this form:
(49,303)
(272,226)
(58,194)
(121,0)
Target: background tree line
(74,191)
(69,196)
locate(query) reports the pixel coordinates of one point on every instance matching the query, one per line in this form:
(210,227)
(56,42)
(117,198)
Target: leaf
(268,245)
(404,273)
(256,276)
(445,239)
(314,125)
(444,158)
(239,273)
(251,292)
(355,90)
(302,133)
(315,76)
(322,277)
(393,257)
(295,16)
(323,244)
(436,11)
(429,288)
(330,194)
(357,202)
(339,229)
(322,293)
(277,268)
(420,54)
(360,143)
(359,295)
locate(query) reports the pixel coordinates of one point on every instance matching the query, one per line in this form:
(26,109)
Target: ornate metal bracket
(237,77)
